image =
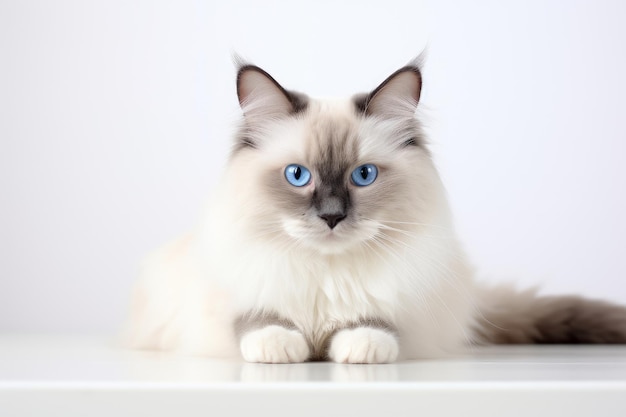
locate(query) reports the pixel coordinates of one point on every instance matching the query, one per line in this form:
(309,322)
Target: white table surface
(89,376)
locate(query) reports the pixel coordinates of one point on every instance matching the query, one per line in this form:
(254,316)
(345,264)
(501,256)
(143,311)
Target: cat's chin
(331,248)
(332,243)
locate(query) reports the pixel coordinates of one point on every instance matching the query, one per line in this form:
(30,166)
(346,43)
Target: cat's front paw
(274,344)
(363,345)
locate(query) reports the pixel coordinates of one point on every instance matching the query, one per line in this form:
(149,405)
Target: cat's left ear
(397,96)
(261,97)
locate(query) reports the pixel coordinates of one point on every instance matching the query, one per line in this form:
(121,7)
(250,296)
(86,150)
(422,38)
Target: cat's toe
(363,345)
(274,344)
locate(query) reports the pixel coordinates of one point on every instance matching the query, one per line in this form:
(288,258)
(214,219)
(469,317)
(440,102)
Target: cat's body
(330,238)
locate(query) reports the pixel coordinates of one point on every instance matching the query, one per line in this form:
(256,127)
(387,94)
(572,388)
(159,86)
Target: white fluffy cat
(330,238)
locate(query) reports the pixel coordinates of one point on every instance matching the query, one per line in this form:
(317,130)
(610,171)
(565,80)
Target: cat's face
(332,175)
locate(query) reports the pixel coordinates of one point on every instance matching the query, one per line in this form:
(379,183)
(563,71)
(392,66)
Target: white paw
(363,345)
(274,344)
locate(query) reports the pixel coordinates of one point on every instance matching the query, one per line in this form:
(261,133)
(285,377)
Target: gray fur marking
(319,346)
(320,349)
(258,320)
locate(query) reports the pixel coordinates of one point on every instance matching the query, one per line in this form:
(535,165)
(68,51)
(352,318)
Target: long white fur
(192,290)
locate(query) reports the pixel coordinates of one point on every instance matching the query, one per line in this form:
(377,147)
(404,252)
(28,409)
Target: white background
(115,119)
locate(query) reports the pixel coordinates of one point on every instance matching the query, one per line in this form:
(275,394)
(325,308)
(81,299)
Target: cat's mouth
(323,239)
(336,240)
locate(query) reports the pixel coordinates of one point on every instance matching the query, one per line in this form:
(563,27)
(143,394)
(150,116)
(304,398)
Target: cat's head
(332,175)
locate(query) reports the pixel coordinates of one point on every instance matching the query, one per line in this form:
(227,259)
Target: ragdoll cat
(330,238)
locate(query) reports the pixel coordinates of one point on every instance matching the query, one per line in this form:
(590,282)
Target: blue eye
(364,175)
(297,175)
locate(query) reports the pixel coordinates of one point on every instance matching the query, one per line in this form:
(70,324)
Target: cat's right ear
(261,97)
(397,96)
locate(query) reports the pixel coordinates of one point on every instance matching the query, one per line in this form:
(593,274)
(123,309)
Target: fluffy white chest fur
(330,238)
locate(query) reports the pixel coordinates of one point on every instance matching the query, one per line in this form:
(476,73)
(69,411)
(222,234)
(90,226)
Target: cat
(330,238)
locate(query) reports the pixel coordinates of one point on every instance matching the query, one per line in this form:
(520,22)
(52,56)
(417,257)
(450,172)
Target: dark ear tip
(416,65)
(411,68)
(418,61)
(244,67)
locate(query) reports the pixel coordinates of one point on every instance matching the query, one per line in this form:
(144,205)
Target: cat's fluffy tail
(509,316)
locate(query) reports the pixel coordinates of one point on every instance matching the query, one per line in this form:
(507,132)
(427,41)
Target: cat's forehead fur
(331,135)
